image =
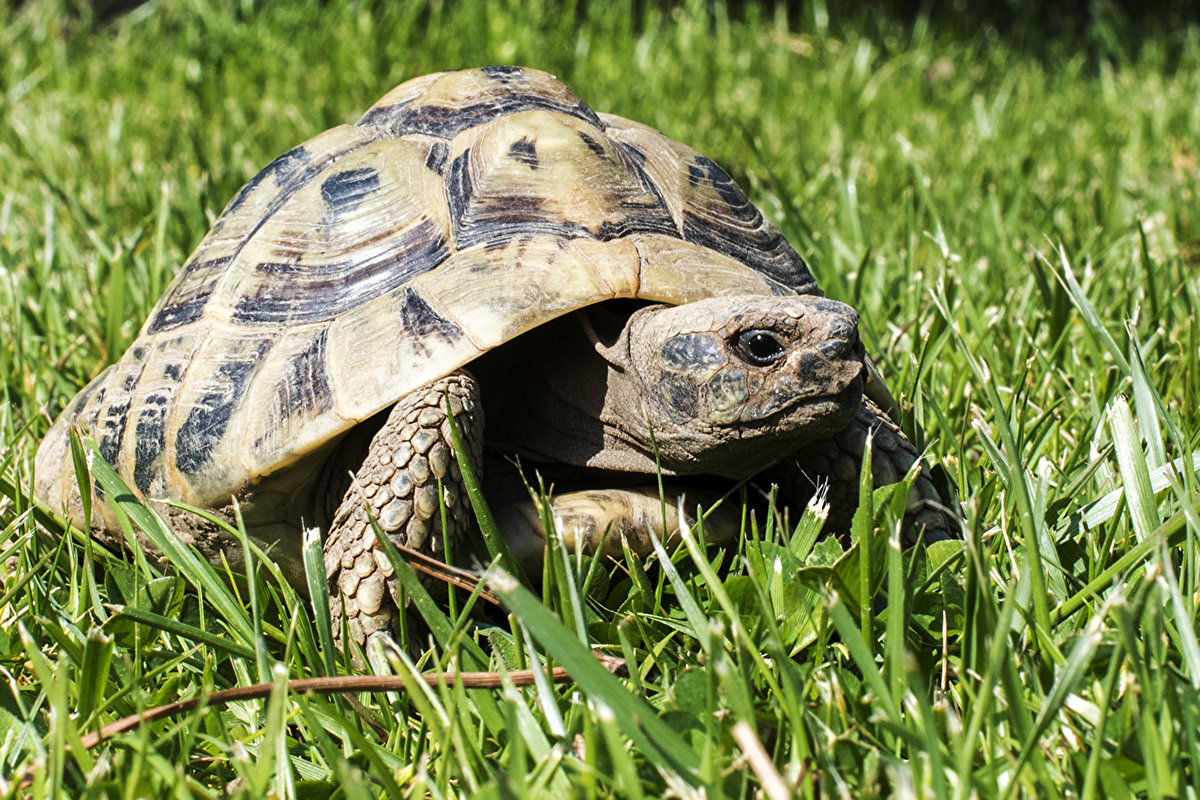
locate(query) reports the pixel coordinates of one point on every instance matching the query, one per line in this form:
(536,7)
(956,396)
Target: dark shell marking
(280,169)
(184,302)
(735,225)
(323,294)
(307,390)
(186,299)
(446,122)
(438,154)
(709,208)
(343,191)
(549,181)
(206,422)
(461,210)
(502,73)
(524,151)
(422,323)
(150,439)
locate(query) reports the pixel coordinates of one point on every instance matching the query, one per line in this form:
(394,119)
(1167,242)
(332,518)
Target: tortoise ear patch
(680,395)
(691,351)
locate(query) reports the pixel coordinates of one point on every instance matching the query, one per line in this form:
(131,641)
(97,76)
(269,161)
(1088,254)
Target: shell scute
(678,271)
(369,223)
(278,171)
(532,173)
(207,419)
(420,322)
(208,406)
(381,350)
(435,162)
(297,382)
(53,475)
(708,207)
(166,362)
(291,398)
(456,101)
(344,190)
(499,293)
(112,404)
(150,439)
(186,299)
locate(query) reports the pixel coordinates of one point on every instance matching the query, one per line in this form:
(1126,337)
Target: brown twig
(332,685)
(336,685)
(440,570)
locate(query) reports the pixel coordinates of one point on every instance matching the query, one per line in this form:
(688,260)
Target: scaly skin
(397,484)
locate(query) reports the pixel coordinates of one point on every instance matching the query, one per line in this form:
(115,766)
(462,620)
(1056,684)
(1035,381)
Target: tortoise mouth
(808,407)
(752,440)
(828,410)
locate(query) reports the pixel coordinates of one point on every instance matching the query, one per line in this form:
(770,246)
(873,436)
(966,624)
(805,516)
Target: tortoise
(479,240)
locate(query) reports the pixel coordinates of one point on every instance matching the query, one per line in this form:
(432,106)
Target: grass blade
(636,719)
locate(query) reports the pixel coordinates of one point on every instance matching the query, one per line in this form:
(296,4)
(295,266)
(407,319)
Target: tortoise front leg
(838,461)
(397,484)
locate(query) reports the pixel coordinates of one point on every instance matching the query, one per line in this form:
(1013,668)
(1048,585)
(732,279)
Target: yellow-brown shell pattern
(461,210)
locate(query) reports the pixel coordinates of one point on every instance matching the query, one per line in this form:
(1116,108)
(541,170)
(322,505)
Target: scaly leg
(398,484)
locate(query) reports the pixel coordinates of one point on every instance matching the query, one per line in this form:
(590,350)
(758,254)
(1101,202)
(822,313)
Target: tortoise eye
(760,347)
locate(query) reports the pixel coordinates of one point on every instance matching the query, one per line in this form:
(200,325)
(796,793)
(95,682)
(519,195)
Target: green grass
(1016,218)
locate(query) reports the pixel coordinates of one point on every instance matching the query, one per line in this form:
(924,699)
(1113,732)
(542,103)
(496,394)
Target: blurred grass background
(1009,198)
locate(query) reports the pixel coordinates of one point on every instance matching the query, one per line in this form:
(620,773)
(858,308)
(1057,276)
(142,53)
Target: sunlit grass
(1016,221)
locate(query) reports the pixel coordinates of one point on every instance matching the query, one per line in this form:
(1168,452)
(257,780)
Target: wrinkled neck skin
(560,395)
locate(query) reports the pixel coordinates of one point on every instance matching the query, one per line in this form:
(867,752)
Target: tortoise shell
(460,211)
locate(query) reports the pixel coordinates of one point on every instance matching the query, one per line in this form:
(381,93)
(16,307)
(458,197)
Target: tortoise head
(729,385)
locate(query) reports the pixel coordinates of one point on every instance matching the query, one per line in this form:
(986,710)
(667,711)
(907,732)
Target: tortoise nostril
(833,348)
(841,341)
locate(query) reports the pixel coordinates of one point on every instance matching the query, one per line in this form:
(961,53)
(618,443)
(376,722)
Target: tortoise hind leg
(397,484)
(605,521)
